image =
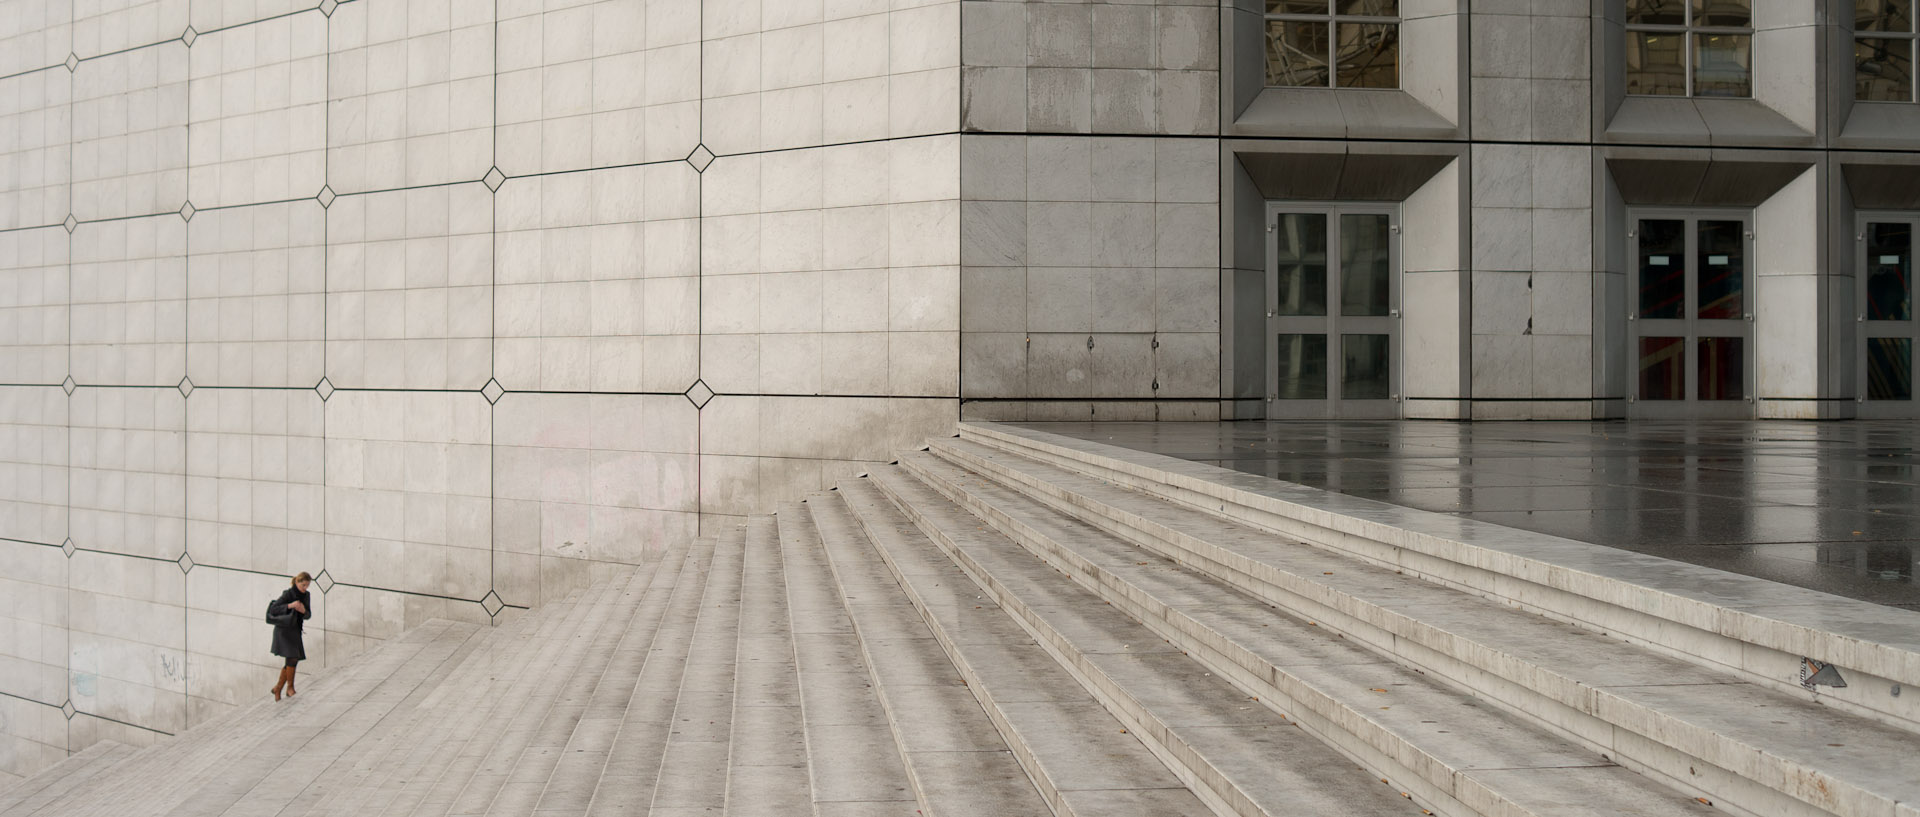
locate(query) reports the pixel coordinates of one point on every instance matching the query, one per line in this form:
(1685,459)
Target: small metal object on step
(1818,673)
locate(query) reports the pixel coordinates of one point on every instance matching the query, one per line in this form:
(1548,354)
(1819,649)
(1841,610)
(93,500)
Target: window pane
(1656,12)
(1720,65)
(1883,15)
(1364,372)
(1889,272)
(1663,368)
(1301,253)
(1303,367)
(1365,264)
(1889,368)
(1728,13)
(1883,70)
(1720,269)
(1656,63)
(1663,262)
(1297,53)
(1369,55)
(1369,8)
(1721,369)
(1297,6)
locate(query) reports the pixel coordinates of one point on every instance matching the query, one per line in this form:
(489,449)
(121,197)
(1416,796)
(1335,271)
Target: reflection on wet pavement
(1828,506)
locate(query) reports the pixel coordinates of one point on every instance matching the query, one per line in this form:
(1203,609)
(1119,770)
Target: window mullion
(1686,62)
(1333,52)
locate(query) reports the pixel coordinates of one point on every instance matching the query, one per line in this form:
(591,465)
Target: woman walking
(286,637)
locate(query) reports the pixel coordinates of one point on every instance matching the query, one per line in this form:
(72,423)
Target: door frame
(1688,326)
(1870,408)
(1334,324)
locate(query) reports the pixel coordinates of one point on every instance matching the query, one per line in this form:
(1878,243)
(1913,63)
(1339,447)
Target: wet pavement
(1828,506)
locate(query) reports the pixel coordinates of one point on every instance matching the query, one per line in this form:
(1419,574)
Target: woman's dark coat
(286,639)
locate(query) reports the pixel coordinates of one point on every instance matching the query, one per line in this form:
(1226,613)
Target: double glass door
(1692,316)
(1333,312)
(1887,326)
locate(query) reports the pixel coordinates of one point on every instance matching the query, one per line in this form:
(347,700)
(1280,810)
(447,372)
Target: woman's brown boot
(290,690)
(286,676)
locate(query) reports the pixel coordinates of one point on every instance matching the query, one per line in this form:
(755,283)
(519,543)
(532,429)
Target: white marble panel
(33,306)
(128,295)
(126,655)
(33,465)
(410,288)
(257,96)
(33,616)
(255,499)
(843,240)
(256,295)
(578,277)
(129,126)
(34,34)
(33,735)
(600,477)
(35,156)
(574,82)
(105,26)
(409,488)
(208,15)
(860,72)
(410,94)
(128,471)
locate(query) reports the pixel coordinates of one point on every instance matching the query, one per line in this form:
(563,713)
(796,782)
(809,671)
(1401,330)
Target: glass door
(1333,311)
(1887,328)
(1692,316)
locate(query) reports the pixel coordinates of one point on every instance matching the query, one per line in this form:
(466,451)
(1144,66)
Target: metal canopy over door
(1691,316)
(1887,327)
(1333,311)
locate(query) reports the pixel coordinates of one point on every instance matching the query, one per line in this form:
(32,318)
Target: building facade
(447,301)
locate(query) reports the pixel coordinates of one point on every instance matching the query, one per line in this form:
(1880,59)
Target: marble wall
(444,302)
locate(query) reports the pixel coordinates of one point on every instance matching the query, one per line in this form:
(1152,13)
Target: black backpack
(278,615)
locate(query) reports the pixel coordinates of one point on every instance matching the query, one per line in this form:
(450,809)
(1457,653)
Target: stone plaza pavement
(1012,622)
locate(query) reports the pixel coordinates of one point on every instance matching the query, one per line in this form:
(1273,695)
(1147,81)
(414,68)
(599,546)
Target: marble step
(550,722)
(633,768)
(473,776)
(692,770)
(399,778)
(1705,731)
(29,795)
(337,765)
(1233,751)
(161,776)
(363,772)
(354,783)
(953,758)
(269,778)
(767,768)
(1448,751)
(510,671)
(569,789)
(351,774)
(1082,759)
(1759,630)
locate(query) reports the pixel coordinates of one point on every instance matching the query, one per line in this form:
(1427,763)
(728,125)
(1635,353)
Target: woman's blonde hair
(301,577)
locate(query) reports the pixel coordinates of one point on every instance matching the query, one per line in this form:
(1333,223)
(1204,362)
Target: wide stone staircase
(1014,623)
